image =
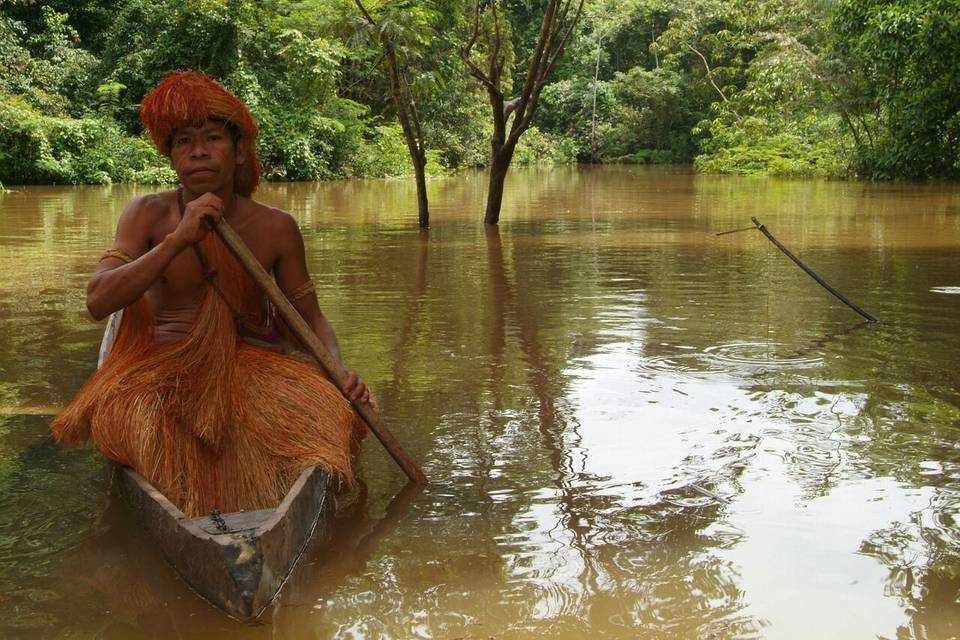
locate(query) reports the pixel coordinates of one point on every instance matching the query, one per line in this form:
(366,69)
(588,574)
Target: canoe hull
(240,561)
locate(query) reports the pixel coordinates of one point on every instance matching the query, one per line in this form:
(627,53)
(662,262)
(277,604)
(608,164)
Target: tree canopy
(837,88)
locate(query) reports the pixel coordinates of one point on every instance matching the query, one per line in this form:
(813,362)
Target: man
(202,393)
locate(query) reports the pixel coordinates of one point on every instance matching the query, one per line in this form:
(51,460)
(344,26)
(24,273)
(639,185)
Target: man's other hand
(354,389)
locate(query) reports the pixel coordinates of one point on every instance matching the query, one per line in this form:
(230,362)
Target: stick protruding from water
(810,272)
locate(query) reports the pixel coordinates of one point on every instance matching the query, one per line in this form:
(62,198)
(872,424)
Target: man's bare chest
(187,275)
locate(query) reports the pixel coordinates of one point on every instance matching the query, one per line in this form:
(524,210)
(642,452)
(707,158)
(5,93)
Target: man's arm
(115,283)
(291,273)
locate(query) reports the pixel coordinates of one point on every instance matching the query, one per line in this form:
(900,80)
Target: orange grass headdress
(188,99)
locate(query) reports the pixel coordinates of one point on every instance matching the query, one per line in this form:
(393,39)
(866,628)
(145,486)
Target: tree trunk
(423,212)
(498,177)
(556,27)
(593,123)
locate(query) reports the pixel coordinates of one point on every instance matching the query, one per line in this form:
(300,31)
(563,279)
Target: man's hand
(192,229)
(354,389)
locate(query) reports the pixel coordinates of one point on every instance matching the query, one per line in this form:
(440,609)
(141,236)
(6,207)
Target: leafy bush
(39,149)
(384,154)
(46,66)
(539,148)
(653,114)
(566,109)
(642,116)
(459,129)
(811,146)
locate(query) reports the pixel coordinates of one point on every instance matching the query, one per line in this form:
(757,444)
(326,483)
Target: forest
(826,88)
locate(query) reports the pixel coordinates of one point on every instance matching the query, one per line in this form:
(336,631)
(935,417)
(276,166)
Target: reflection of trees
(329,562)
(881,401)
(912,426)
(546,380)
(664,541)
(923,557)
(50,238)
(412,326)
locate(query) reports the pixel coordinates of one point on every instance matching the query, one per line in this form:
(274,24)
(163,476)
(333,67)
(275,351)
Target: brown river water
(633,428)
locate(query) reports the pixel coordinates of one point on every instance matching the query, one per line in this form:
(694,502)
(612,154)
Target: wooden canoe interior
(242,569)
(239,522)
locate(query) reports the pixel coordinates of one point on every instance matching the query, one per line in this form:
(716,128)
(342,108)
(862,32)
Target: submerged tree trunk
(407,114)
(498,177)
(423,209)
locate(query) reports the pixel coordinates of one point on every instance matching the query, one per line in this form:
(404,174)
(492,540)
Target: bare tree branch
(465,52)
(366,14)
(525,116)
(509,106)
(558,24)
(564,41)
(414,112)
(706,65)
(538,54)
(496,60)
(556,28)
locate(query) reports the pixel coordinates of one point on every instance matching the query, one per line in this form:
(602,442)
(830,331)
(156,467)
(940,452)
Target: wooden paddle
(319,351)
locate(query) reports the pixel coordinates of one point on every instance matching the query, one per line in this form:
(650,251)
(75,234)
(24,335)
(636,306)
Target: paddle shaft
(317,349)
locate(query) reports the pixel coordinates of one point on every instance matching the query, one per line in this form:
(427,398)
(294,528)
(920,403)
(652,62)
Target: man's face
(205,157)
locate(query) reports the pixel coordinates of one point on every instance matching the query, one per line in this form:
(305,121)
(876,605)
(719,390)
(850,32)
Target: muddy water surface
(633,428)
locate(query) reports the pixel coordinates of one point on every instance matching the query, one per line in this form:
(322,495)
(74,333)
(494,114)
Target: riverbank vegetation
(835,88)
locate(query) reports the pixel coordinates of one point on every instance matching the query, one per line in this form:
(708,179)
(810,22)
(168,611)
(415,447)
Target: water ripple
(758,354)
(736,357)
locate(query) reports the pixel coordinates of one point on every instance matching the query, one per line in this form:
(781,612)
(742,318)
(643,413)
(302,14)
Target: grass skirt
(210,421)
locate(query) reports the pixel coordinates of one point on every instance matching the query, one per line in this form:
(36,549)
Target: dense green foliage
(898,81)
(792,87)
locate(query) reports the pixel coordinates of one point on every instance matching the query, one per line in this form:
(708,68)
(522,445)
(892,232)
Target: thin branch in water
(723,233)
(810,272)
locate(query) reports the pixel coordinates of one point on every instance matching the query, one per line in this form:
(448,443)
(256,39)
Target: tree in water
(396,58)
(560,17)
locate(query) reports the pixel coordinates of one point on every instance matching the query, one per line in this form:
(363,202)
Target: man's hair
(234,130)
(188,99)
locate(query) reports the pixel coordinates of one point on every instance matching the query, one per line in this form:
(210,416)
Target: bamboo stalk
(823,283)
(302,331)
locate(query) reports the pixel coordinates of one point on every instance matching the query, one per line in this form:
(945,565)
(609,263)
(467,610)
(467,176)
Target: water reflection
(634,428)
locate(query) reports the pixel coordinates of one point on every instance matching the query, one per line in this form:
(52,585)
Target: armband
(302,291)
(119,254)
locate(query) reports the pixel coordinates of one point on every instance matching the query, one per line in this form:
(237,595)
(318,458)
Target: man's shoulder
(149,207)
(272,219)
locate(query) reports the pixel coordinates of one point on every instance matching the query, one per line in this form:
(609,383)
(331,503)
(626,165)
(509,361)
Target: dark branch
(564,41)
(366,14)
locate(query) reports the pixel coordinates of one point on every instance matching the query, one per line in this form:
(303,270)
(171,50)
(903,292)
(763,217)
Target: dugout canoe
(238,562)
